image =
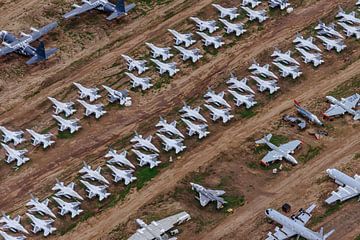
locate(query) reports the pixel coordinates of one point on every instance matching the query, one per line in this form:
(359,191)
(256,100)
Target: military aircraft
(94,190)
(13,154)
(159,229)
(226,12)
(38,139)
(116,10)
(144,159)
(119,174)
(284,57)
(347,17)
(240,85)
(260,15)
(71,124)
(216,98)
(211,40)
(262,70)
(15,136)
(66,191)
(294,226)
(96,109)
(329,44)
(327,30)
(217,113)
(68,207)
(156,52)
(169,128)
(237,28)
(40,207)
(22,45)
(144,143)
(252,3)
(200,129)
(139,65)
(191,113)
(193,54)
(264,85)
(144,83)
(349,187)
(350,30)
(307,114)
(90,93)
(248,100)
(41,225)
(358,2)
(307,44)
(119,158)
(202,25)
(13,225)
(6,236)
(180,38)
(345,105)
(92,174)
(208,195)
(282,4)
(176,144)
(66,107)
(293,71)
(121,96)
(308,57)
(278,153)
(170,68)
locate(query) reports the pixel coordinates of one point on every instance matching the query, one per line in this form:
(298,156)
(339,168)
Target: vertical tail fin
(40,51)
(265,139)
(120,6)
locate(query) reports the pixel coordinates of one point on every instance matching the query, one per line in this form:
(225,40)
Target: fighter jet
(262,70)
(68,207)
(156,52)
(92,174)
(15,155)
(41,225)
(240,85)
(116,10)
(216,98)
(170,68)
(217,113)
(226,12)
(180,38)
(264,85)
(121,96)
(205,25)
(90,93)
(9,237)
(294,226)
(308,57)
(208,195)
(345,105)
(200,129)
(66,107)
(278,153)
(260,15)
(347,17)
(329,44)
(22,45)
(94,190)
(159,229)
(240,99)
(13,225)
(253,3)
(71,124)
(307,114)
(118,174)
(40,207)
(66,191)
(144,159)
(118,158)
(237,28)
(327,30)
(144,143)
(96,109)
(210,40)
(191,113)
(193,54)
(350,30)
(15,136)
(284,57)
(293,71)
(349,187)
(307,44)
(40,139)
(282,4)
(144,83)
(139,65)
(176,144)
(169,128)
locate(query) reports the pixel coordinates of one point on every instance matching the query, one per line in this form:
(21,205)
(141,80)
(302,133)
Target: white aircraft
(294,71)
(253,3)
(260,15)
(350,30)
(41,225)
(68,207)
(200,129)
(169,128)
(208,195)
(248,100)
(216,98)
(217,113)
(191,113)
(294,226)
(119,158)
(119,174)
(38,139)
(347,17)
(264,85)
(13,225)
(121,96)
(156,52)
(202,25)
(180,38)
(240,85)
(96,109)
(71,124)
(144,143)
(307,44)
(14,136)
(144,83)
(345,105)
(9,237)
(237,28)
(144,159)
(94,190)
(262,70)
(308,57)
(92,174)
(329,44)
(91,93)
(193,54)
(176,144)
(211,40)
(40,207)
(282,4)
(284,57)
(327,30)
(13,154)
(66,107)
(139,65)
(66,191)
(170,68)
(226,12)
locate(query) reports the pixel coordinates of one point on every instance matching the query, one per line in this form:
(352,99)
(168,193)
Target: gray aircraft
(66,191)
(119,158)
(240,85)
(41,225)
(307,44)
(193,128)
(216,41)
(284,57)
(121,96)
(66,107)
(193,54)
(92,174)
(176,144)
(202,25)
(217,113)
(358,2)
(90,93)
(293,71)
(6,236)
(308,57)
(345,105)
(156,52)
(12,136)
(208,195)
(263,71)
(248,100)
(22,45)
(94,190)
(15,155)
(96,109)
(163,67)
(260,15)
(264,85)
(116,10)
(252,3)
(73,208)
(13,225)
(216,98)
(350,30)
(327,30)
(347,17)
(278,153)
(144,83)
(139,65)
(307,114)
(40,207)
(119,174)
(232,13)
(237,28)
(337,44)
(191,113)
(71,124)
(144,159)
(282,4)
(180,38)
(144,143)
(169,128)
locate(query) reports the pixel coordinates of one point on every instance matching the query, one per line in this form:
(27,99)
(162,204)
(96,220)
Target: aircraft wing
(290,146)
(304,216)
(342,194)
(352,100)
(79,10)
(35,35)
(334,110)
(217,192)
(203,200)
(281,234)
(6,50)
(271,156)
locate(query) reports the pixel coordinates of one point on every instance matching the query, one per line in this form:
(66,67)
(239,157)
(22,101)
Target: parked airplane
(144,143)
(278,153)
(327,30)
(191,113)
(248,100)
(169,128)
(90,93)
(66,191)
(260,15)
(284,57)
(6,236)
(282,4)
(307,114)
(347,17)
(309,57)
(294,226)
(71,124)
(176,144)
(22,45)
(205,25)
(13,225)
(180,38)
(226,12)
(156,52)
(139,65)
(263,85)
(345,105)
(144,159)
(96,109)
(240,85)
(350,30)
(121,96)
(216,98)
(15,136)
(119,158)
(66,107)
(307,44)
(116,10)
(92,174)
(263,71)
(329,44)
(211,40)
(144,83)
(200,129)
(293,71)
(208,195)
(253,3)
(193,54)
(94,190)
(15,155)
(170,68)
(40,139)
(72,208)
(237,28)
(119,174)
(40,207)
(41,225)
(217,113)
